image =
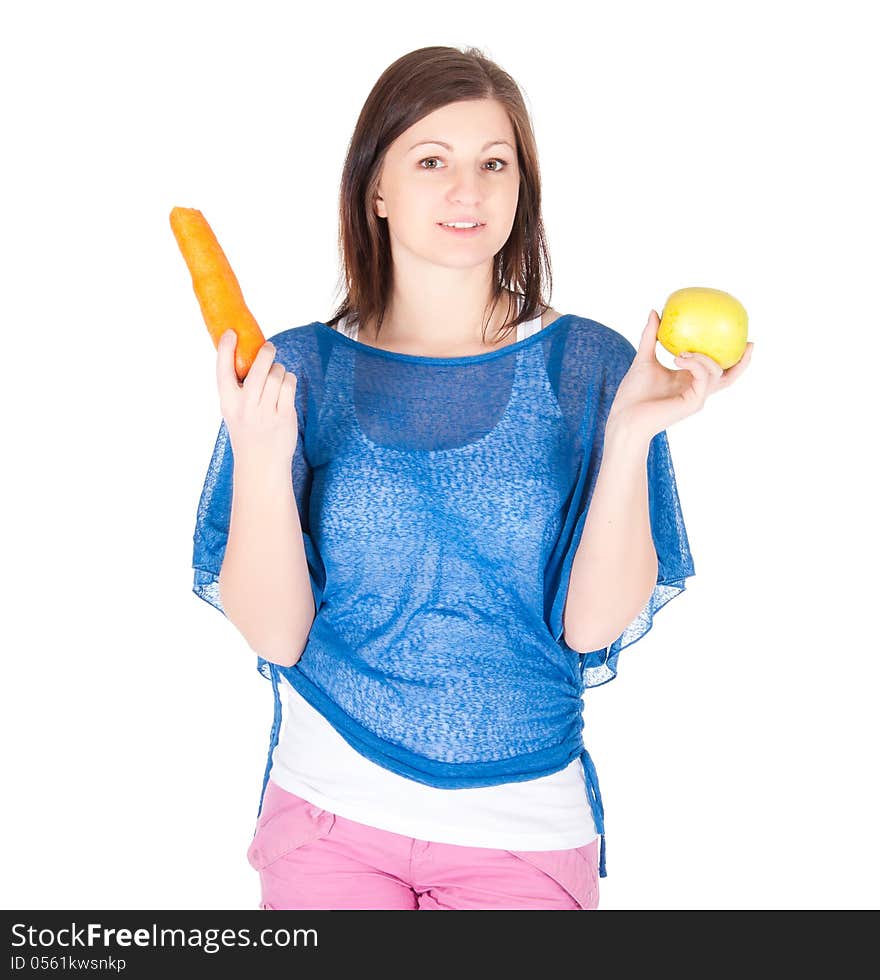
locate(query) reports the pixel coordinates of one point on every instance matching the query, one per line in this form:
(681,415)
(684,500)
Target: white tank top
(315,762)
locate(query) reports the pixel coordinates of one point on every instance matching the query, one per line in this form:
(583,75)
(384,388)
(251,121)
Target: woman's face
(474,177)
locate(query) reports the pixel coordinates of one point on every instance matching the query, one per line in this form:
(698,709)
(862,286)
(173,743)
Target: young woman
(437,518)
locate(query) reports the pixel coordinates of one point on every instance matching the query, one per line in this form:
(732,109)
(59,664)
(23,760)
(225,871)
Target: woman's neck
(440,343)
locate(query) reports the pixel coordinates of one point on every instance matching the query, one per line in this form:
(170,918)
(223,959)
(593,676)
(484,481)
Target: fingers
(255,381)
(266,381)
(702,366)
(714,371)
(287,395)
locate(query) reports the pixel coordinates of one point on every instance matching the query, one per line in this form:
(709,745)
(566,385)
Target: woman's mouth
(463,230)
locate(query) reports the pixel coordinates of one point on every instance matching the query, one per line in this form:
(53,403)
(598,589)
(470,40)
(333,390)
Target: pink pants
(309,858)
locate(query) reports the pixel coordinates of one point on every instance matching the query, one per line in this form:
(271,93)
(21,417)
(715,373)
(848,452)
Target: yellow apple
(708,321)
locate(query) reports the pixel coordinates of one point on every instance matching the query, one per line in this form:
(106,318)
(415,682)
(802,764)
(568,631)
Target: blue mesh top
(442,501)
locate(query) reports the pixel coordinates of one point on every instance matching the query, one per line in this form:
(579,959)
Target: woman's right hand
(260,412)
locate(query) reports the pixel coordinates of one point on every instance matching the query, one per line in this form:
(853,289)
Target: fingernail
(685,353)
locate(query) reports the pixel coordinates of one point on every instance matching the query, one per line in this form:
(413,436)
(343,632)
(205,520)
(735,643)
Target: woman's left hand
(652,397)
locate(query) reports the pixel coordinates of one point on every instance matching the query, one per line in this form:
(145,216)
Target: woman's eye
(494,170)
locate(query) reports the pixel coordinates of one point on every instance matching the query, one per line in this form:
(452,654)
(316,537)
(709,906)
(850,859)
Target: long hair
(409,89)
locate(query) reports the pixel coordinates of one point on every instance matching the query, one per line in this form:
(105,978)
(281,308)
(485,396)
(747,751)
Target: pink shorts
(309,858)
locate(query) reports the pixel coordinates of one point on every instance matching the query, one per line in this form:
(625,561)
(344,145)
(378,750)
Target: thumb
(226,375)
(648,344)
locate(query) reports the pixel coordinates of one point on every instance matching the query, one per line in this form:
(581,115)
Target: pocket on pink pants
(286,822)
(575,869)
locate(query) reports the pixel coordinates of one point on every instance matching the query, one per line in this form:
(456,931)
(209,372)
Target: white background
(728,145)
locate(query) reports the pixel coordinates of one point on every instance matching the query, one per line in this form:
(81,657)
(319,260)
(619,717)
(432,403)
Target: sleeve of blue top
(215,504)
(675,562)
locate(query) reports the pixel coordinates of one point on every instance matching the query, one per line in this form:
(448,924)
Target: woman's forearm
(264,580)
(615,566)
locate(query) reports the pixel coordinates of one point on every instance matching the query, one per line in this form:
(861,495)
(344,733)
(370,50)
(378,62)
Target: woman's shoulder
(298,347)
(597,342)
(301,338)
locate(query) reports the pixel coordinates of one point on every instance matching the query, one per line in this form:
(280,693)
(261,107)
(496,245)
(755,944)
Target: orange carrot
(216,288)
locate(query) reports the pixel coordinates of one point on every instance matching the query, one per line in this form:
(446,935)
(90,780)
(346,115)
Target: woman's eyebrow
(448,147)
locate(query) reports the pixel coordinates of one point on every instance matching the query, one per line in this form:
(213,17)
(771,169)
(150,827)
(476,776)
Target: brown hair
(409,89)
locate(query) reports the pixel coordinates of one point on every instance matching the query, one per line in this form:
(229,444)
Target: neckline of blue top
(468,359)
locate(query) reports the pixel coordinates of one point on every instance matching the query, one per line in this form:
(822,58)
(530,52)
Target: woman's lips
(462,232)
